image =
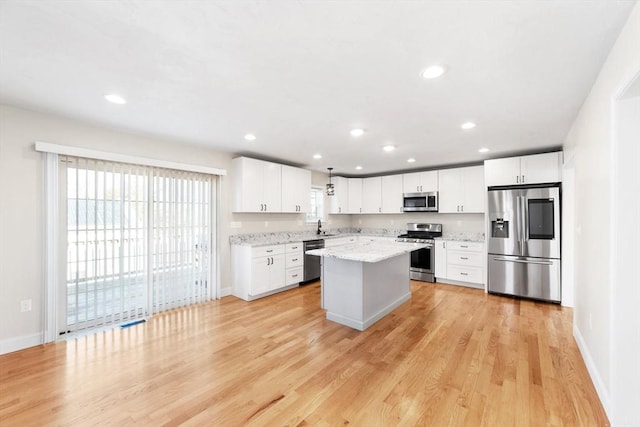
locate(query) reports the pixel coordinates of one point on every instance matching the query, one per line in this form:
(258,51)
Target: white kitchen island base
(358,294)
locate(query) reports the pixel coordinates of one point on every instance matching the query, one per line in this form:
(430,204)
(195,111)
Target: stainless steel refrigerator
(524,241)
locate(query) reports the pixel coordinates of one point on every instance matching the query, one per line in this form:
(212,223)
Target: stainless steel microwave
(420,202)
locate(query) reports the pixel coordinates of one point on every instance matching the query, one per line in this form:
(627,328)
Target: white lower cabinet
(259,271)
(294,263)
(460,263)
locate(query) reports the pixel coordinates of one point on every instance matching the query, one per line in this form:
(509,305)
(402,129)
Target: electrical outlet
(25,305)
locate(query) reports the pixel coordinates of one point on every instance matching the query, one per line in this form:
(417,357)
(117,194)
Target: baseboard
(603,394)
(20,343)
(225,292)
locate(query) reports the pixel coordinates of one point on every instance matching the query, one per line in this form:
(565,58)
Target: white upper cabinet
(392,194)
(296,187)
(339,202)
(534,169)
(420,182)
(372,195)
(461,190)
(354,201)
(257,185)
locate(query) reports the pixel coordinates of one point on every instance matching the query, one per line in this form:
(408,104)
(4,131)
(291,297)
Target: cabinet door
(354,201)
(272,191)
(502,171)
(541,168)
(372,195)
(428,181)
(339,201)
(296,185)
(392,194)
(441,259)
(411,182)
(248,185)
(260,275)
(277,272)
(451,191)
(474,190)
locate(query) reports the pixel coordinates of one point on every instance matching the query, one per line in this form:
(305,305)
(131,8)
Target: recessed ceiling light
(317,156)
(433,72)
(250,137)
(115,99)
(358,168)
(411,160)
(483,150)
(468,125)
(357,132)
(388,148)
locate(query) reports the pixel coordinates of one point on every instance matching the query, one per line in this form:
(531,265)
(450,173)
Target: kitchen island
(363,282)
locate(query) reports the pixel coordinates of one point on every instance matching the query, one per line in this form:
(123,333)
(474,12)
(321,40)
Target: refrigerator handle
(518,223)
(522,261)
(525,225)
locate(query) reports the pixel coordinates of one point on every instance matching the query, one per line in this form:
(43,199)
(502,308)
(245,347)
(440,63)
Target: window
(316,211)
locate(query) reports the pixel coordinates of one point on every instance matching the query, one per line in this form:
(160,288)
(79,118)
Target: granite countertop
(367,251)
(278,238)
(463,237)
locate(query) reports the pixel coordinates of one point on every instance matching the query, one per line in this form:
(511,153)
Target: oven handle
(522,261)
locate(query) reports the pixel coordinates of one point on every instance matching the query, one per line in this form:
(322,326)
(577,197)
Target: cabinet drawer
(465,246)
(293,247)
(261,251)
(293,275)
(294,260)
(464,274)
(467,259)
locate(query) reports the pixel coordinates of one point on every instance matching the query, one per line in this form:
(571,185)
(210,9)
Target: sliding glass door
(138,241)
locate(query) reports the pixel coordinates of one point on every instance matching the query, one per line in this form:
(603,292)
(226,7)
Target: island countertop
(368,251)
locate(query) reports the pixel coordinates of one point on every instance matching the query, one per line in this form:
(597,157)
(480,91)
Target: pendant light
(330,188)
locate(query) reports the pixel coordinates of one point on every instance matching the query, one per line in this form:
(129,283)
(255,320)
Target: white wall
(591,137)
(625,329)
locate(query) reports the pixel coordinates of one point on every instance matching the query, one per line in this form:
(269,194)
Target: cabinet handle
(268,261)
(523,179)
(270,250)
(463,257)
(379,210)
(294,259)
(461,208)
(294,247)
(339,210)
(517,179)
(294,275)
(463,274)
(464,246)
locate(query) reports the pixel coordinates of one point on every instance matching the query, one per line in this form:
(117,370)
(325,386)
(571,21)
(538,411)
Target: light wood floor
(450,356)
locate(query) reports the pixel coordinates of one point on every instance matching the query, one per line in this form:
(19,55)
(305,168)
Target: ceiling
(301,74)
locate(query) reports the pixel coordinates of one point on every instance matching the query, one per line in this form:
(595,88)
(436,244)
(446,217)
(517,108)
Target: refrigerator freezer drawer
(536,278)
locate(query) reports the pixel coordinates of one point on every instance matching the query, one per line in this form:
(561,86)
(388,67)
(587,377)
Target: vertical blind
(138,241)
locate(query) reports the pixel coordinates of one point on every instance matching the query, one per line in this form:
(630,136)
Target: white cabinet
(441,259)
(257,185)
(420,182)
(461,190)
(296,187)
(372,195)
(294,263)
(258,271)
(392,194)
(534,169)
(354,189)
(460,263)
(339,202)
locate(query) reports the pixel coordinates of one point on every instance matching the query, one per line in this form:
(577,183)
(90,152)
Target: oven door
(423,260)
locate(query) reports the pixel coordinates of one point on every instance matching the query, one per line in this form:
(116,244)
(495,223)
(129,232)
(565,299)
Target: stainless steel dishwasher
(312,262)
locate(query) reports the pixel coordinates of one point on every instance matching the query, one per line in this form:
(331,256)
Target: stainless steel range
(422,260)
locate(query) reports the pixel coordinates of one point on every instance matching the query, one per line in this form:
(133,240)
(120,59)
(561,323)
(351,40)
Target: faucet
(319,227)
